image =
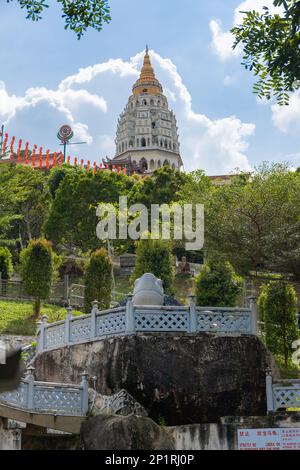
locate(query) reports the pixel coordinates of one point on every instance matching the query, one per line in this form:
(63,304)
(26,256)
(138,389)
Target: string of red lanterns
(32,158)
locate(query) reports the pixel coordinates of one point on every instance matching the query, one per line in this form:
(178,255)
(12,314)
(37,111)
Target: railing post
(68,321)
(192,314)
(30,391)
(269,391)
(94,312)
(130,323)
(84,393)
(253,321)
(41,333)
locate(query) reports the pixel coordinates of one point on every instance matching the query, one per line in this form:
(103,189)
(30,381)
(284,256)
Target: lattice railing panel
(286,397)
(16,397)
(146,320)
(111,324)
(81,329)
(54,335)
(223,322)
(54,399)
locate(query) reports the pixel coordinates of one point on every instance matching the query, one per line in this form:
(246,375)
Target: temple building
(147,133)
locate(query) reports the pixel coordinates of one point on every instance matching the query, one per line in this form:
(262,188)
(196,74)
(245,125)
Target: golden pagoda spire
(147,83)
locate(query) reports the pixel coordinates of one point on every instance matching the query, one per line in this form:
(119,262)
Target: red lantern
(41,157)
(47,159)
(33,155)
(26,153)
(19,150)
(12,147)
(5,144)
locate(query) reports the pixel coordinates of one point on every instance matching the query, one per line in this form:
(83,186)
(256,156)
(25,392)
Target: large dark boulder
(178,378)
(124,433)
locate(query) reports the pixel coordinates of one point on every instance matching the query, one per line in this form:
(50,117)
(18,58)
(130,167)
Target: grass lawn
(16,317)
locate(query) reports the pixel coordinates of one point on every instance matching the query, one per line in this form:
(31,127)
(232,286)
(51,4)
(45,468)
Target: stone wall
(10,439)
(223,436)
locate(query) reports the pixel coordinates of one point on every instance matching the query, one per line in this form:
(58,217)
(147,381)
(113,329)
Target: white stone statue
(148,290)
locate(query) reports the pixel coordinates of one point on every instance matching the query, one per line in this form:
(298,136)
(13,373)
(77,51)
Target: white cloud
(229,80)
(287,118)
(222,41)
(218,146)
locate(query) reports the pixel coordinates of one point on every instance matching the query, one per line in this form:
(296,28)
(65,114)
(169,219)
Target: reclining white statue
(148,290)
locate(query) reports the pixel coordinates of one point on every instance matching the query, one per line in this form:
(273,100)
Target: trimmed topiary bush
(155,256)
(6,266)
(37,270)
(278,309)
(218,285)
(98,280)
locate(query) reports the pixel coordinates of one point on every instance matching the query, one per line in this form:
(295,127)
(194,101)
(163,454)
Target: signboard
(65,133)
(269,439)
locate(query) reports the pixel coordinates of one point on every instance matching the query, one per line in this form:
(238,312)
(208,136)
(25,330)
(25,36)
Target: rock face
(121,404)
(124,433)
(179,379)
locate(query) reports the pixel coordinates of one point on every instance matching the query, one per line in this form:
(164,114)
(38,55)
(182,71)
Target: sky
(48,78)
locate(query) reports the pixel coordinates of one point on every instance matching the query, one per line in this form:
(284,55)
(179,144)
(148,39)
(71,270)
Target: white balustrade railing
(63,399)
(283,394)
(130,319)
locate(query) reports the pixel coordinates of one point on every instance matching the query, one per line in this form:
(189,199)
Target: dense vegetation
(252,226)
(155,256)
(218,285)
(37,270)
(278,308)
(98,280)
(253,222)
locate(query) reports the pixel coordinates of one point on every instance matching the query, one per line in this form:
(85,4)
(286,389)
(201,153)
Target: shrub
(218,285)
(37,270)
(98,280)
(155,256)
(6,266)
(278,307)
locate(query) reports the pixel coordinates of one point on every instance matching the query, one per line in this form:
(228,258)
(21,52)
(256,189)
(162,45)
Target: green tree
(155,256)
(6,266)
(24,203)
(271,49)
(278,307)
(37,270)
(246,222)
(162,187)
(79,15)
(72,219)
(98,280)
(57,175)
(218,285)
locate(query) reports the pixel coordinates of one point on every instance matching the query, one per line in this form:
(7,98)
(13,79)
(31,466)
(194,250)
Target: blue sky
(221,124)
